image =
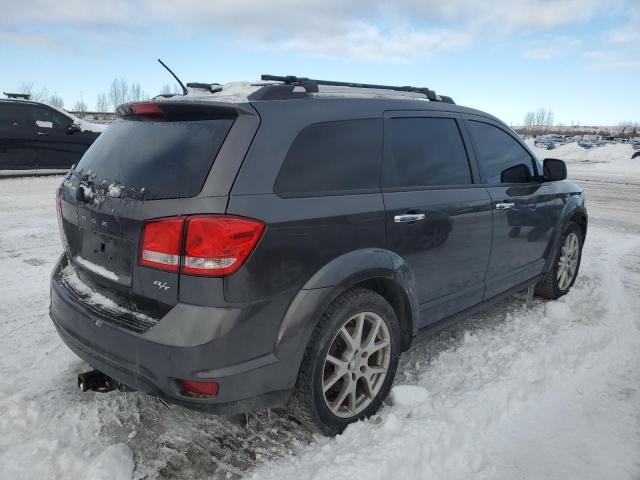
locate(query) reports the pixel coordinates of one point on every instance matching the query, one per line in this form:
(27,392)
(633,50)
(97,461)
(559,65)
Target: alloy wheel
(356,364)
(568,261)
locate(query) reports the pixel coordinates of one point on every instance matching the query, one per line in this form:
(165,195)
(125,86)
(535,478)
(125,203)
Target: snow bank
(448,423)
(613,157)
(549,390)
(114,463)
(409,395)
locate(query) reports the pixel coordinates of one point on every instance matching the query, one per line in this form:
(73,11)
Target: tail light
(212,245)
(218,245)
(161,241)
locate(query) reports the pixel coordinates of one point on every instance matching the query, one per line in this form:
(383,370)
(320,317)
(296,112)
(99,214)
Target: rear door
(438,218)
(525,209)
(55,147)
(16,138)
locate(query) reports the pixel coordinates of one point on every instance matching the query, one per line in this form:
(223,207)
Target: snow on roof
(239,92)
(232,92)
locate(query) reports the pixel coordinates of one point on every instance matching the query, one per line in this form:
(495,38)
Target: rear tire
(566,264)
(349,364)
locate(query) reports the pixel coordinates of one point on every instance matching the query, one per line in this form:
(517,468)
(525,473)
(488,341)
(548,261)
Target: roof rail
(289,82)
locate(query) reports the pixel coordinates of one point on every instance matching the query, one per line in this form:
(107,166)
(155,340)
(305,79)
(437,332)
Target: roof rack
(289,82)
(21,96)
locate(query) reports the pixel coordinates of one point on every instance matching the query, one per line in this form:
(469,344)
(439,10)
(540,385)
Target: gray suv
(284,242)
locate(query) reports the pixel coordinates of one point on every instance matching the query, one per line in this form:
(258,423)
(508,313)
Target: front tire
(349,364)
(561,277)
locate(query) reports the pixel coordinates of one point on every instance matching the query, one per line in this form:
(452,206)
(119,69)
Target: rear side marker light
(209,389)
(211,245)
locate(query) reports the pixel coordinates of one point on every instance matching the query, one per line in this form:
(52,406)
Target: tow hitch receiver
(96,381)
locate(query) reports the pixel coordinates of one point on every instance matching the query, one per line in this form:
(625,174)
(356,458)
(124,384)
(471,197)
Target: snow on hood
(90,126)
(83,124)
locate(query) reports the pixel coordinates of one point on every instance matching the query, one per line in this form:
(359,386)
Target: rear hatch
(153,162)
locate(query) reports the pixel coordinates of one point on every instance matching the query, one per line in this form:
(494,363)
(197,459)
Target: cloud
(611,60)
(362,30)
(621,47)
(369,43)
(552,48)
(31,40)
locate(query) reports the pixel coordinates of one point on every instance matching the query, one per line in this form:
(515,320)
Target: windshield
(152,159)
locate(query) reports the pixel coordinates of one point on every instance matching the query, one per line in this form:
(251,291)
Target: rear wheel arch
(384,277)
(397,297)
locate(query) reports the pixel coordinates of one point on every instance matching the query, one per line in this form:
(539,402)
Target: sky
(579,58)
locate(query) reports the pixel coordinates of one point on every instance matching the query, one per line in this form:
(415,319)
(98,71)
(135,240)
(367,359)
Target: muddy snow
(523,390)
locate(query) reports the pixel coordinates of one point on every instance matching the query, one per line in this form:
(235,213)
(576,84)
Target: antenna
(184,89)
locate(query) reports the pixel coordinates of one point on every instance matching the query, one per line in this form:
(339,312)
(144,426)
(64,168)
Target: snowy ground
(547,390)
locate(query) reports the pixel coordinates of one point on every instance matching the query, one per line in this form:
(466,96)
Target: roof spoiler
(287,89)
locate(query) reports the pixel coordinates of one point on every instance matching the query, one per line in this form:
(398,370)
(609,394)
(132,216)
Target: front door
(437,221)
(525,209)
(56,147)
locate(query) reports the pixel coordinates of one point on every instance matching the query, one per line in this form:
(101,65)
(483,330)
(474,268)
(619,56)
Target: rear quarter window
(333,157)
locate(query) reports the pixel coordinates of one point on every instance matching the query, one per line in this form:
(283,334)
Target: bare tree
(80,106)
(539,121)
(118,92)
(623,129)
(55,100)
(26,88)
(528,123)
(135,93)
(170,89)
(102,104)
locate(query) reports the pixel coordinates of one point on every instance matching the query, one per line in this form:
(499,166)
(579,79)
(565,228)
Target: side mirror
(516,174)
(554,170)
(73,128)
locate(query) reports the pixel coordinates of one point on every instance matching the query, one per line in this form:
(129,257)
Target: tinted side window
(11,115)
(46,117)
(424,152)
(500,156)
(331,157)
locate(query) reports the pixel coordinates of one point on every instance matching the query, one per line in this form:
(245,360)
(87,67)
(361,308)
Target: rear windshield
(154,160)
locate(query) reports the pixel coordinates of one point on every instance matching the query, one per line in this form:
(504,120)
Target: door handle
(409,217)
(43,133)
(504,206)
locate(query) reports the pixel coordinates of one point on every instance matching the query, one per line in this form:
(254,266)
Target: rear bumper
(152,364)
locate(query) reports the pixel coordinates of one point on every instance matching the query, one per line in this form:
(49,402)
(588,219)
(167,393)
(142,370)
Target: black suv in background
(284,246)
(37,136)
